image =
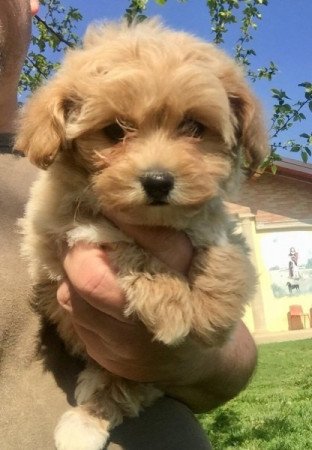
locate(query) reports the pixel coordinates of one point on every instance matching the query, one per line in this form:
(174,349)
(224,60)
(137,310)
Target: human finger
(64,295)
(146,366)
(34,7)
(86,315)
(173,247)
(89,272)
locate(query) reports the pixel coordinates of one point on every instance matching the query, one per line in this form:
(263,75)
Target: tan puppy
(153,125)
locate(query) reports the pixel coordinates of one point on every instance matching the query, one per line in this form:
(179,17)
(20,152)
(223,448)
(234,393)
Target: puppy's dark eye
(192,128)
(114,132)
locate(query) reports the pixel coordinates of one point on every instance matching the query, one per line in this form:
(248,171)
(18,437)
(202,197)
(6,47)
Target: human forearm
(213,375)
(15,33)
(220,375)
(8,108)
(200,376)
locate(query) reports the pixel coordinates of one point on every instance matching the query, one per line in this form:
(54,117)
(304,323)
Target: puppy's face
(159,152)
(156,120)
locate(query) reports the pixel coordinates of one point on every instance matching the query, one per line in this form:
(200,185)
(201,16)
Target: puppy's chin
(165,215)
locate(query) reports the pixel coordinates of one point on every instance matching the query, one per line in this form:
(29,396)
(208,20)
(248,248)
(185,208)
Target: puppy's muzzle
(157,186)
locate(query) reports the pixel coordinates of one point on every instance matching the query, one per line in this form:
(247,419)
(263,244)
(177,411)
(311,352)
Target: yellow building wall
(248,319)
(273,310)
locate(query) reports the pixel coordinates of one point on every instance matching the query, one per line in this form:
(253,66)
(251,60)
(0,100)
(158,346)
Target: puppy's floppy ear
(41,126)
(251,130)
(248,119)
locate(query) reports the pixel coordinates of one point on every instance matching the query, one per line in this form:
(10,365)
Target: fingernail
(63,296)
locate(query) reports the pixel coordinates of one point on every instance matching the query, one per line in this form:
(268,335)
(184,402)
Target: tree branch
(55,33)
(36,67)
(283,127)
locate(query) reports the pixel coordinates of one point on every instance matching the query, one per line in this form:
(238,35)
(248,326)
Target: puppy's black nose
(157,184)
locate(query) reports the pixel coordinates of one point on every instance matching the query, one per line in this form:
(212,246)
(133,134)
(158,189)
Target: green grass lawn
(275,411)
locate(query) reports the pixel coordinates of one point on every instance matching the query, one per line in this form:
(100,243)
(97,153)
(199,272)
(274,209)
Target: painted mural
(287,256)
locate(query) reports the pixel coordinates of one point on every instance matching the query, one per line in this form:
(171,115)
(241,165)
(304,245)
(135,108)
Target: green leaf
(308,95)
(295,148)
(306,85)
(304,157)
(273,169)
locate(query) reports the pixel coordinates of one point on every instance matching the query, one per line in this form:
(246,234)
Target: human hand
(203,378)
(96,303)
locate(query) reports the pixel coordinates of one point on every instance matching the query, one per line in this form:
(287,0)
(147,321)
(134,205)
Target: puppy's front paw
(223,280)
(162,303)
(77,430)
(173,325)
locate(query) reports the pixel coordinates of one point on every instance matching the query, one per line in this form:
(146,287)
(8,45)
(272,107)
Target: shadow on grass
(229,430)
(270,428)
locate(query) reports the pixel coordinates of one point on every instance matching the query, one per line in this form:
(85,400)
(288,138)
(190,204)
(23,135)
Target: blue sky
(284,36)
